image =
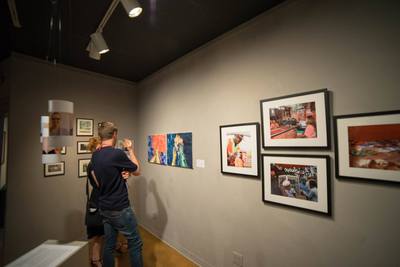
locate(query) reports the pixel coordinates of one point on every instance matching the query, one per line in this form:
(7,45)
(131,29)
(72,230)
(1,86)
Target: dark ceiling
(165,31)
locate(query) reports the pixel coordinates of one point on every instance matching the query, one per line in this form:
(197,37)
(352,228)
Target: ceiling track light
(92,51)
(132,7)
(97,45)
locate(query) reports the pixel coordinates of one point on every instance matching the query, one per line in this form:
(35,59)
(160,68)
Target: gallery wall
(40,208)
(349,47)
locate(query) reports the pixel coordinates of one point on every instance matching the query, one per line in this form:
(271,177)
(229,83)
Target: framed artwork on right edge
(367,146)
(300,181)
(296,121)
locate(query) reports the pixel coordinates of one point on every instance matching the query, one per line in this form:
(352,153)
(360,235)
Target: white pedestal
(53,253)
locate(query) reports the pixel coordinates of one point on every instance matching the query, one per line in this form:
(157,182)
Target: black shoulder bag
(93,217)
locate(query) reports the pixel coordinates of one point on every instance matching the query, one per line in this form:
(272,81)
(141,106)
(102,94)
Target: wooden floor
(156,254)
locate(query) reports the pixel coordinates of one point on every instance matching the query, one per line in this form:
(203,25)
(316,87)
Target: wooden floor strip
(156,254)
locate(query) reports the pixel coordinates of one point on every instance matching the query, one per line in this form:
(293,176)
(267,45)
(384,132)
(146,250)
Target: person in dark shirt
(109,164)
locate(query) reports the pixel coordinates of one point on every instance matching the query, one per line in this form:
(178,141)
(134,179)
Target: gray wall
(349,47)
(40,208)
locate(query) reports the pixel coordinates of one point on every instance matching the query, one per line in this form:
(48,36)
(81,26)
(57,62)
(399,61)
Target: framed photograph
(367,146)
(297,181)
(239,145)
(296,121)
(82,147)
(84,127)
(63,150)
(82,167)
(54,169)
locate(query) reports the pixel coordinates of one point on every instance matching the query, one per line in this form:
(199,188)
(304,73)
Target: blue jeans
(123,221)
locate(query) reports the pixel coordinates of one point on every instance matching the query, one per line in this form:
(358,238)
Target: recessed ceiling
(165,31)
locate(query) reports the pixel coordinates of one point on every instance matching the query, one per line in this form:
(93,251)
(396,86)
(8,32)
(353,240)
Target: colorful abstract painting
(170,149)
(157,149)
(180,150)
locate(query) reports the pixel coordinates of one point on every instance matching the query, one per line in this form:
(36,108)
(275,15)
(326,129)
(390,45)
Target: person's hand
(125,175)
(128,144)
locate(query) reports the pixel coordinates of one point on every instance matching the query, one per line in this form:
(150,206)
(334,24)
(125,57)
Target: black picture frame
(45,171)
(78,131)
(81,173)
(325,198)
(342,150)
(225,168)
(78,149)
(325,129)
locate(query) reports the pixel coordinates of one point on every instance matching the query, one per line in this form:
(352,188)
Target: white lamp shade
(132,7)
(99,43)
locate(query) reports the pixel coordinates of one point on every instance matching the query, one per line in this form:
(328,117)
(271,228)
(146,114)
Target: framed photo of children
(367,146)
(297,180)
(296,121)
(54,169)
(84,127)
(240,149)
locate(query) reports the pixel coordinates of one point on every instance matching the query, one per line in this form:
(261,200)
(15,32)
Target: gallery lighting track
(97,45)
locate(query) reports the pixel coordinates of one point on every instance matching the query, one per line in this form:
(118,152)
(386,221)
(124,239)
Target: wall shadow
(154,220)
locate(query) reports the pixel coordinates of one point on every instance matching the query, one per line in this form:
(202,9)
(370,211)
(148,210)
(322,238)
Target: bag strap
(87,183)
(95,179)
(87,189)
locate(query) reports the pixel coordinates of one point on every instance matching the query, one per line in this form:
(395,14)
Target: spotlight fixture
(132,7)
(99,43)
(92,51)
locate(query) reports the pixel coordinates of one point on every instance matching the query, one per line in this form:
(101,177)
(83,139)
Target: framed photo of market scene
(300,181)
(367,146)
(296,121)
(239,144)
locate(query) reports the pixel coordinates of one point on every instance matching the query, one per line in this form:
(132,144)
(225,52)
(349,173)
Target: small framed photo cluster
(367,146)
(84,128)
(299,121)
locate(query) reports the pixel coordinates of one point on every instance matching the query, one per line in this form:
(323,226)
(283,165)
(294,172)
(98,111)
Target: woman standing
(95,232)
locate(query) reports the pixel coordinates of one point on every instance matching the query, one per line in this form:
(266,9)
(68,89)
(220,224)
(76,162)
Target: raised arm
(129,145)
